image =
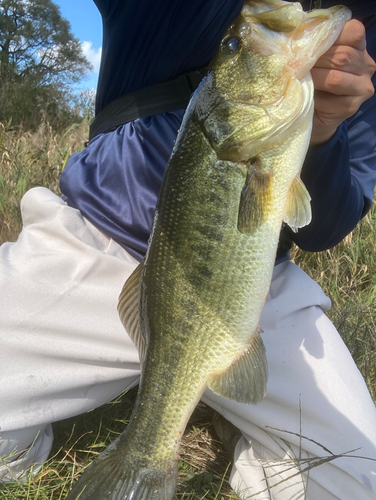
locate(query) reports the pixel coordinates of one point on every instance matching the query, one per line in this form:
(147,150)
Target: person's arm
(340,168)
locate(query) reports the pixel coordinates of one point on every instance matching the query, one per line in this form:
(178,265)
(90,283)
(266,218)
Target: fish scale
(192,306)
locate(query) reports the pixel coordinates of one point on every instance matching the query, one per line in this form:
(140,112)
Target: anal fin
(128,310)
(245,380)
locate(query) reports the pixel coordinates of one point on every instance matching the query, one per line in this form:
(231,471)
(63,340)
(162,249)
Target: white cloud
(94,56)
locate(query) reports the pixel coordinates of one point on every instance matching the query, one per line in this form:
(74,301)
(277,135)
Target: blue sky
(86,25)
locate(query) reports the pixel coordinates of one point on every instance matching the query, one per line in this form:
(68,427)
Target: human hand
(342,80)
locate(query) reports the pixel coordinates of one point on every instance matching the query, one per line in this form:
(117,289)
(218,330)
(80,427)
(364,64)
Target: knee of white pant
(23,461)
(15,442)
(260,473)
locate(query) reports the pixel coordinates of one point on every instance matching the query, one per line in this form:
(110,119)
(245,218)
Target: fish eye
(230,45)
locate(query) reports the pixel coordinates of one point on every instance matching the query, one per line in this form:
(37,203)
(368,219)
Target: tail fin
(114,477)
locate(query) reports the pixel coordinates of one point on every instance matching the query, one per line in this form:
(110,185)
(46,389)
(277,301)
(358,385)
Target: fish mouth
(317,32)
(279,26)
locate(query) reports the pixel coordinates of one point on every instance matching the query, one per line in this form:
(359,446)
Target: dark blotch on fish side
(210,232)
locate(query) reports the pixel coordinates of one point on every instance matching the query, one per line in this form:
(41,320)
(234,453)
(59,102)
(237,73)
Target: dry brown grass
(204,463)
(31,159)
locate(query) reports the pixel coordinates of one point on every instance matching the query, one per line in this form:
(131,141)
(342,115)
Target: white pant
(63,351)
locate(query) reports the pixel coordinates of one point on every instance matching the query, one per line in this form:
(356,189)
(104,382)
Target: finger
(342,83)
(345,58)
(334,109)
(353,35)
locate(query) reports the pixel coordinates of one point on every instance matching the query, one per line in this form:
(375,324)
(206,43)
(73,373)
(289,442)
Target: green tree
(39,59)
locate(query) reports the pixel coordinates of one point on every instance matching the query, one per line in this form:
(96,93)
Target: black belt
(160,98)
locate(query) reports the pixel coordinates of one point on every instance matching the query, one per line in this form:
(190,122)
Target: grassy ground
(203,466)
(347,274)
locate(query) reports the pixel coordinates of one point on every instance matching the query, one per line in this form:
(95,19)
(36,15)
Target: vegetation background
(40,60)
(347,274)
(42,122)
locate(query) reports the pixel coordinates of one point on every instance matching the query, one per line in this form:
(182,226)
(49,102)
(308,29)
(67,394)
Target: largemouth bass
(193,305)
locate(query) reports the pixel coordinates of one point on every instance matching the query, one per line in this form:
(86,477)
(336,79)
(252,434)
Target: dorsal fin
(245,380)
(128,310)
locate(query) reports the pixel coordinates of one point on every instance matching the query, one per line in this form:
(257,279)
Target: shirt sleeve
(340,177)
(106,6)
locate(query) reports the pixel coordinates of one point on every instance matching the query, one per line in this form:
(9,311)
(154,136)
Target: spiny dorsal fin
(298,208)
(255,200)
(128,310)
(245,380)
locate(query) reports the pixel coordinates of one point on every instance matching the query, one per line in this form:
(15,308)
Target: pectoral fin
(245,380)
(128,310)
(298,209)
(255,200)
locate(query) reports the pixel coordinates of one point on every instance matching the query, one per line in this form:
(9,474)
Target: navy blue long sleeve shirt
(116,180)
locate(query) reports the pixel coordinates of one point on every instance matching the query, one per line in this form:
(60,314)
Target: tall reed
(28,160)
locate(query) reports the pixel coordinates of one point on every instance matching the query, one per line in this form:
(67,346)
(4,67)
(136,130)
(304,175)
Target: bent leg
(64,350)
(317,405)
